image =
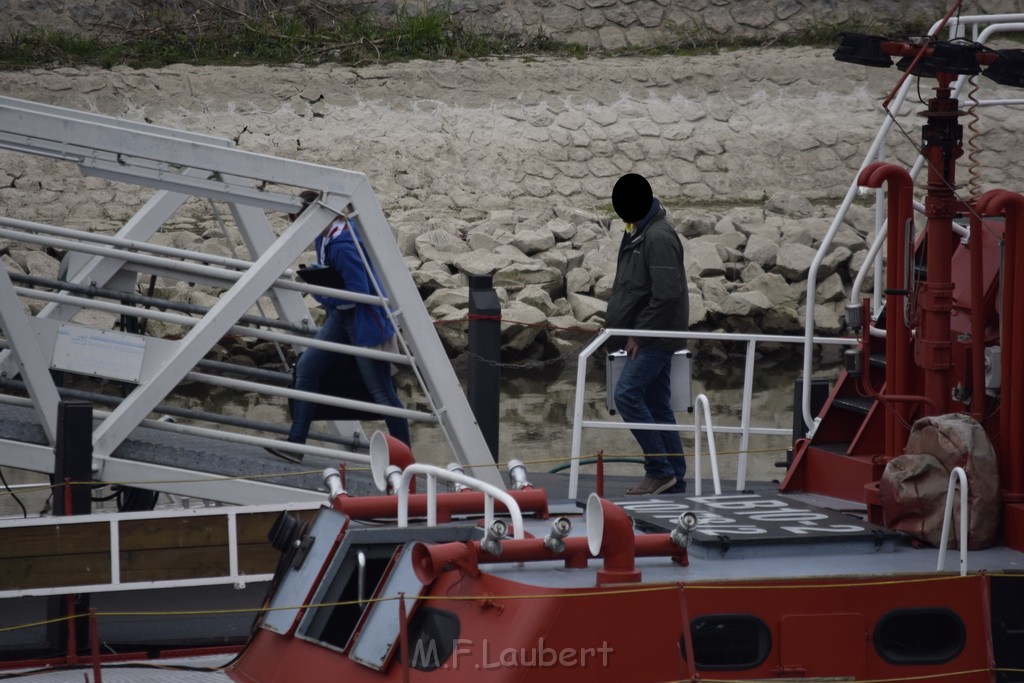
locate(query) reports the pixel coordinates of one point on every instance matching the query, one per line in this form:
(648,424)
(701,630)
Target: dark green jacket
(649,292)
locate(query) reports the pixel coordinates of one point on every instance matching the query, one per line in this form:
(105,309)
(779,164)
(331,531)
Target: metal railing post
(957,474)
(701,404)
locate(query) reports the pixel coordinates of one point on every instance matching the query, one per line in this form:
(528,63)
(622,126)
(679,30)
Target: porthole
(729,641)
(919,636)
(433,634)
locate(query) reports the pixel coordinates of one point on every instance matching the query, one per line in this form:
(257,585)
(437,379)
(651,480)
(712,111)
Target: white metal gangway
(101,282)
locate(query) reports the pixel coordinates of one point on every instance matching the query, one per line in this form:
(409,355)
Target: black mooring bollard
(485,357)
(72,463)
(73,458)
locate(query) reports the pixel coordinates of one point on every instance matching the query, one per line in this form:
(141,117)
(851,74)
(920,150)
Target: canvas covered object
(913,486)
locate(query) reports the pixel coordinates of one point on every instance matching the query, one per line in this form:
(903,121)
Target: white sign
(87,351)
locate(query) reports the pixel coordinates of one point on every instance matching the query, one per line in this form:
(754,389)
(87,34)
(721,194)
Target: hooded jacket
(650,291)
(338,249)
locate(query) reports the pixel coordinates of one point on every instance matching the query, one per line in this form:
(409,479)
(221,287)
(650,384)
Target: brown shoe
(284,455)
(648,486)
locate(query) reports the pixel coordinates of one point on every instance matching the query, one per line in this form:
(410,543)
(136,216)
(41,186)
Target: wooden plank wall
(151,550)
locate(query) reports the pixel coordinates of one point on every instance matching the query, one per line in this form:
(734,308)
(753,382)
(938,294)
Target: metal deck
(206,459)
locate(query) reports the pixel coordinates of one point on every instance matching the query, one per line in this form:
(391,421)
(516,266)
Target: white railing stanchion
(434,473)
(957,474)
(701,404)
(748,393)
(431,499)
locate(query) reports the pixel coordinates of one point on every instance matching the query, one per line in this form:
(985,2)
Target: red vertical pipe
(897,336)
(600,474)
(94,646)
(1011,205)
(977,321)
(942,148)
(1005,333)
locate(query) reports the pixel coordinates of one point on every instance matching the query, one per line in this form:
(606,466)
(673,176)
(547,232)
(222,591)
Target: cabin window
(919,636)
(334,622)
(432,637)
(729,641)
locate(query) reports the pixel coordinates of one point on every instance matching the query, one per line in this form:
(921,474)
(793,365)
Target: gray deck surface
(214,456)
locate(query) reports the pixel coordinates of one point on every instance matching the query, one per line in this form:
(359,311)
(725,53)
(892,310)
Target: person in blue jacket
(347,322)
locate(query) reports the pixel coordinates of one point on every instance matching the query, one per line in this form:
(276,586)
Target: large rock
(698,311)
(789,205)
(702,260)
(834,260)
(480,262)
(749,303)
(454,298)
(535,296)
(481,239)
(515,276)
(562,229)
(440,245)
(774,287)
(579,281)
(587,308)
(830,289)
(566,334)
(433,276)
(450,324)
(761,250)
(695,223)
(555,258)
(531,242)
(794,261)
(520,325)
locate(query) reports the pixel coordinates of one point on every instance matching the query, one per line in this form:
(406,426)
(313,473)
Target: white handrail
(433,473)
(744,429)
(956,474)
(701,402)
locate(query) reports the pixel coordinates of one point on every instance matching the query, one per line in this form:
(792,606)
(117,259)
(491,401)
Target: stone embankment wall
(608,24)
(506,167)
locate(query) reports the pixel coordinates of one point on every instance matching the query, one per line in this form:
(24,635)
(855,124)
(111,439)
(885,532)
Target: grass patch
(351,36)
(698,38)
(354,35)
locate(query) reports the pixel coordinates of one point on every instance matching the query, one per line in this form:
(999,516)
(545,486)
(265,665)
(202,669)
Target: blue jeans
(643,393)
(339,327)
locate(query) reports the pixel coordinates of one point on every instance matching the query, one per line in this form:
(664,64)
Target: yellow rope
(526,596)
(945,675)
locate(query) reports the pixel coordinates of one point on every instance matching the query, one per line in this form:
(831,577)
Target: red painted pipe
(618,544)
(448,504)
(933,345)
(1011,205)
(897,336)
(94,646)
(977,320)
(400,455)
(432,560)
(1009,276)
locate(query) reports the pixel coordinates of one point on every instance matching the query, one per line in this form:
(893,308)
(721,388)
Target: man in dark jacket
(649,293)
